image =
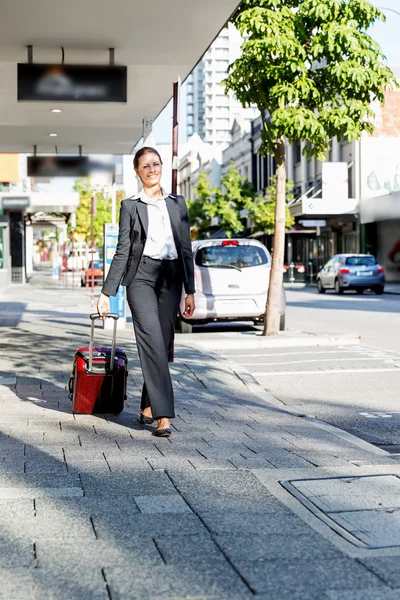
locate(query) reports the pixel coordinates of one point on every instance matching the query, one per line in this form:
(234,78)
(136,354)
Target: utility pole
(114,203)
(175,137)
(175,164)
(92,243)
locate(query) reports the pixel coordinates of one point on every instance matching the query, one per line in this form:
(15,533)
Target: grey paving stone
(16,508)
(86,506)
(19,492)
(61,527)
(311,592)
(17,467)
(16,554)
(68,584)
(205,504)
(143,525)
(135,553)
(342,573)
(135,483)
(40,480)
(129,464)
(363,594)
(229,483)
(161,504)
(282,522)
(177,582)
(255,547)
(88,466)
(182,549)
(170,462)
(386,567)
(45,466)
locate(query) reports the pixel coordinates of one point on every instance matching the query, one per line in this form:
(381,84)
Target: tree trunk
(272,316)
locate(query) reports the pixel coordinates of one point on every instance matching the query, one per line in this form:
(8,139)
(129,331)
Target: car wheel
(282,322)
(185,327)
(379,290)
(338,288)
(320,287)
(360,290)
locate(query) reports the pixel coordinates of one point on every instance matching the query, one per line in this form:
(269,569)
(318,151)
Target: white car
(232,279)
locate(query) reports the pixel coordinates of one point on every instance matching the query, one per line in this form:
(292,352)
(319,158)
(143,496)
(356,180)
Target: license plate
(364,273)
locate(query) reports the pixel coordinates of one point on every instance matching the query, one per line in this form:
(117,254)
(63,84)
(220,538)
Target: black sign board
(72,83)
(65,166)
(14,202)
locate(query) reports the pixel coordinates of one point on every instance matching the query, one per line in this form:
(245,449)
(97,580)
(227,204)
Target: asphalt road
(355,388)
(375,318)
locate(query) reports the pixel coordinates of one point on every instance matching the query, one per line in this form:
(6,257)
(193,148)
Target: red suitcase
(98,381)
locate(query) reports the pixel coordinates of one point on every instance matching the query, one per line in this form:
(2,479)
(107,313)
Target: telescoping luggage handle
(93,318)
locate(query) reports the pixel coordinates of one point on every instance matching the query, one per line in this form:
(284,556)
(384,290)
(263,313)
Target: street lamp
(391,9)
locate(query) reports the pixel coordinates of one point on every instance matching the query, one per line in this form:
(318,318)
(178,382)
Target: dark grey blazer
(133,226)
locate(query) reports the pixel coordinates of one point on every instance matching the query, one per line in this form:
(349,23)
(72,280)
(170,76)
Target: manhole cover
(363,509)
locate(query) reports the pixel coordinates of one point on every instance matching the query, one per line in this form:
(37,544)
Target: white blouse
(160,242)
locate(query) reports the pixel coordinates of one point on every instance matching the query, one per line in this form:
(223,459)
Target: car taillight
(230,243)
(344,271)
(380,269)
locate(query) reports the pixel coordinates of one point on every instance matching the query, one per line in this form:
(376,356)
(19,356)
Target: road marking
(296,353)
(297,362)
(328,372)
(378,415)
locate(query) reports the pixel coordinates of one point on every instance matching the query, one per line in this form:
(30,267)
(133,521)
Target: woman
(153,258)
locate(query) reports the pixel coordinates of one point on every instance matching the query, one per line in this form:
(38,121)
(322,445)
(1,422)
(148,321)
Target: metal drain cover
(364,509)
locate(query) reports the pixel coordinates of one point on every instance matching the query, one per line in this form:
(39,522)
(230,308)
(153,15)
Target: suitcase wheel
(71,386)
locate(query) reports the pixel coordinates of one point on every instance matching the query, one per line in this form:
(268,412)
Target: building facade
(209,111)
(380,187)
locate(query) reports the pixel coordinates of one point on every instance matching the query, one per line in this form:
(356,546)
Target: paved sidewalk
(95,507)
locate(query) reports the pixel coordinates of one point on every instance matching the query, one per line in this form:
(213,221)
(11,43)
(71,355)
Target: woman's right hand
(103,305)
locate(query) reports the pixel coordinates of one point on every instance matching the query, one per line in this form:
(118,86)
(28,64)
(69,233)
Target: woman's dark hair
(141,152)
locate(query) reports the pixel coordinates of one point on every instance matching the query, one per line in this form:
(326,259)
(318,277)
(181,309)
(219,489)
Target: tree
(312,70)
(261,208)
(227,203)
(102,211)
(224,202)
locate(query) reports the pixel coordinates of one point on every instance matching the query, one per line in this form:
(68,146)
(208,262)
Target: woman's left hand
(189,306)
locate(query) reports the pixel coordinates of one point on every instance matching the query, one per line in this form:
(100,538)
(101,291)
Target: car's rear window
(360,261)
(231,256)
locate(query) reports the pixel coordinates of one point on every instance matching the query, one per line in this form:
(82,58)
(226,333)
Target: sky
(386,34)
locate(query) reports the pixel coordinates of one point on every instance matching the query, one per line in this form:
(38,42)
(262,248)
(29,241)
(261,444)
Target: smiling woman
(153,259)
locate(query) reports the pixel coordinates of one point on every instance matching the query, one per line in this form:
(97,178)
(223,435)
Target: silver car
(357,272)
(232,279)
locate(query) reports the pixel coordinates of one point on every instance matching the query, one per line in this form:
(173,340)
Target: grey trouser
(153,297)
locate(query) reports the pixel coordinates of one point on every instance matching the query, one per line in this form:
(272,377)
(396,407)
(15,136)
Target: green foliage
(102,211)
(235,195)
(311,69)
(261,209)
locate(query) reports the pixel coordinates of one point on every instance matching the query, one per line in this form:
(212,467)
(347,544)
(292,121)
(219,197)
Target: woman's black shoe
(162,432)
(143,420)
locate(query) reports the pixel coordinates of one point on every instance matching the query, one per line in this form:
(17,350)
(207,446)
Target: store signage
(71,83)
(118,302)
(313,223)
(65,166)
(15,202)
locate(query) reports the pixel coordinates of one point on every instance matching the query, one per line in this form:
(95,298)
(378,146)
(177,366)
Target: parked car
(351,272)
(232,279)
(96,273)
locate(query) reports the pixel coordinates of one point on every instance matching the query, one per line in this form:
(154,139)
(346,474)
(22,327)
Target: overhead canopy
(157,41)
